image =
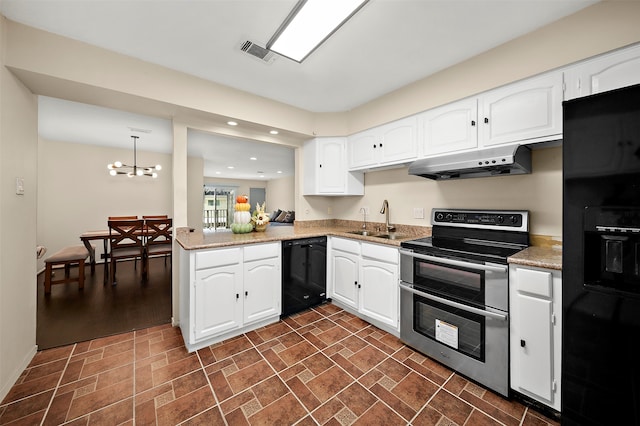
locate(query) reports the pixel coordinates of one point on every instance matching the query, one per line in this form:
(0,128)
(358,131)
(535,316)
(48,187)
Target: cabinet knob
(355,283)
(374,145)
(237,296)
(380,145)
(522,343)
(473,122)
(320,165)
(486,120)
(246,293)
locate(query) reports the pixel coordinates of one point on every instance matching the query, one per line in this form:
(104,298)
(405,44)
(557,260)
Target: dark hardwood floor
(69,315)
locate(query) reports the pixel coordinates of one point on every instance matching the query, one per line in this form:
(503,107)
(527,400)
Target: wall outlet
(418,213)
(329,210)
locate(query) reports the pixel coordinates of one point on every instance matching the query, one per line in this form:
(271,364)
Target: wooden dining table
(88,236)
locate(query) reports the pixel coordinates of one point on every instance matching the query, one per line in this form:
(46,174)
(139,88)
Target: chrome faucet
(364,217)
(385,210)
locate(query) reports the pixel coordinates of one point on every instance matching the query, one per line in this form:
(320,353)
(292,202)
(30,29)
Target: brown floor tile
(323,366)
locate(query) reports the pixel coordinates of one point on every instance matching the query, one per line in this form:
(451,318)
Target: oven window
(450,281)
(458,329)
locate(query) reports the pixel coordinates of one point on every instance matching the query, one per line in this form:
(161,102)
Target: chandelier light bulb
(118,168)
(158,167)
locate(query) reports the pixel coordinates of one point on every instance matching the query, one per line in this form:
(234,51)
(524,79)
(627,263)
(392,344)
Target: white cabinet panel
(345,269)
(262,290)
(216,300)
(536,346)
(451,128)
(325,169)
(535,308)
(608,72)
(379,292)
(386,145)
(524,111)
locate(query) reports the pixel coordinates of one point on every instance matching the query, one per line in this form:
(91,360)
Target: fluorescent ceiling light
(309,24)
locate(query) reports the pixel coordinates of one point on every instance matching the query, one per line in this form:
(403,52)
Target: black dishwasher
(304,274)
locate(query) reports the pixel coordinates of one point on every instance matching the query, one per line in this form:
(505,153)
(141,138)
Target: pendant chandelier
(118,168)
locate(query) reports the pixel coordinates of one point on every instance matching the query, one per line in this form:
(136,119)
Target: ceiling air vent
(259,52)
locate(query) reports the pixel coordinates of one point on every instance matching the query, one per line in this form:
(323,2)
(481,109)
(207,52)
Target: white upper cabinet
(325,169)
(524,112)
(451,128)
(604,73)
(389,144)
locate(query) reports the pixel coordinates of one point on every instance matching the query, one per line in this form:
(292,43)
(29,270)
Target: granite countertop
(541,257)
(206,240)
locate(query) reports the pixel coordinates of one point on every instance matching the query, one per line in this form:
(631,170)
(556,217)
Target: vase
(261,228)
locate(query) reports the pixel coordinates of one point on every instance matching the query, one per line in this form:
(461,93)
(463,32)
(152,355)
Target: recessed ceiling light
(230,167)
(279,171)
(253,158)
(232,123)
(274,132)
(218,173)
(261,176)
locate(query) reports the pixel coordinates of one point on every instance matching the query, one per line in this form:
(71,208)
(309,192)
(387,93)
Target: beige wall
(539,192)
(77,194)
(18,158)
(195,179)
(281,194)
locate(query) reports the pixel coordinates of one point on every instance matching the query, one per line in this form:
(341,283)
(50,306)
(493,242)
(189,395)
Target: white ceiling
(386,45)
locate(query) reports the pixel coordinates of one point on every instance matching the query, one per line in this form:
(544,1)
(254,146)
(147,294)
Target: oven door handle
(467,308)
(453,262)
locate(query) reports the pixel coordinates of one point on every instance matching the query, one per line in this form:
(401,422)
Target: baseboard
(15,375)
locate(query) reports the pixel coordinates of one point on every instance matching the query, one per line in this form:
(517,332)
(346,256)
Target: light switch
(418,213)
(19,186)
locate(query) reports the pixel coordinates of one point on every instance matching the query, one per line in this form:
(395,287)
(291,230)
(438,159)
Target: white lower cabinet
(535,298)
(226,292)
(364,280)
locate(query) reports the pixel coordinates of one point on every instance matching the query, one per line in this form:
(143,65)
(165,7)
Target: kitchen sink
(391,236)
(364,233)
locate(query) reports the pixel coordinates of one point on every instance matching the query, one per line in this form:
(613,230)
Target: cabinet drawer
(220,257)
(261,251)
(350,246)
(382,253)
(534,282)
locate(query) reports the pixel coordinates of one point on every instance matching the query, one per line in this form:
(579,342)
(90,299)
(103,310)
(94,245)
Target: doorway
(256,196)
(218,207)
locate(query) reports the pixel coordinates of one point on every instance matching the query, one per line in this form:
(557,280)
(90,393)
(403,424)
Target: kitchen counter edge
(540,257)
(201,240)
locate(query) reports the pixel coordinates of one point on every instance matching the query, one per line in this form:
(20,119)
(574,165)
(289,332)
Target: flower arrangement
(260,219)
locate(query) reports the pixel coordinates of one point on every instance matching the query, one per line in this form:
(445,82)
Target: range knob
(449,216)
(500,219)
(439,216)
(513,219)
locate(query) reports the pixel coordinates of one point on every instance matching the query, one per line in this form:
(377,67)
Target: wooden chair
(126,241)
(158,241)
(160,216)
(123,217)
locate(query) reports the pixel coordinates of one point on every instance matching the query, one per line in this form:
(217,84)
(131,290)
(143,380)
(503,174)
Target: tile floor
(322,366)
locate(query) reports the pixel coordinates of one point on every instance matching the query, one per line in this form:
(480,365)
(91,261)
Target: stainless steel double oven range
(454,291)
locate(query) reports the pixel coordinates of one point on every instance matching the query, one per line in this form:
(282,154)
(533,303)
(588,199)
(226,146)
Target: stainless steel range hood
(498,161)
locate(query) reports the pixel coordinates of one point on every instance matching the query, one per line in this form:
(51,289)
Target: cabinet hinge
(554,386)
(553,319)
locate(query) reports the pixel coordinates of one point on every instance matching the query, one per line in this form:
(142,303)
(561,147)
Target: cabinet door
(535,339)
(399,141)
(363,149)
(332,170)
(216,300)
(451,128)
(529,111)
(379,291)
(344,270)
(609,72)
(262,282)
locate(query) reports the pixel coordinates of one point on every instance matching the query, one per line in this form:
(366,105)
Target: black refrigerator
(601,259)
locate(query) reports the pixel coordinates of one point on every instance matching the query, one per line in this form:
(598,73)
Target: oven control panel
(518,220)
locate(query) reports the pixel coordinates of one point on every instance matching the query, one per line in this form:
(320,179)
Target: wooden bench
(67,256)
